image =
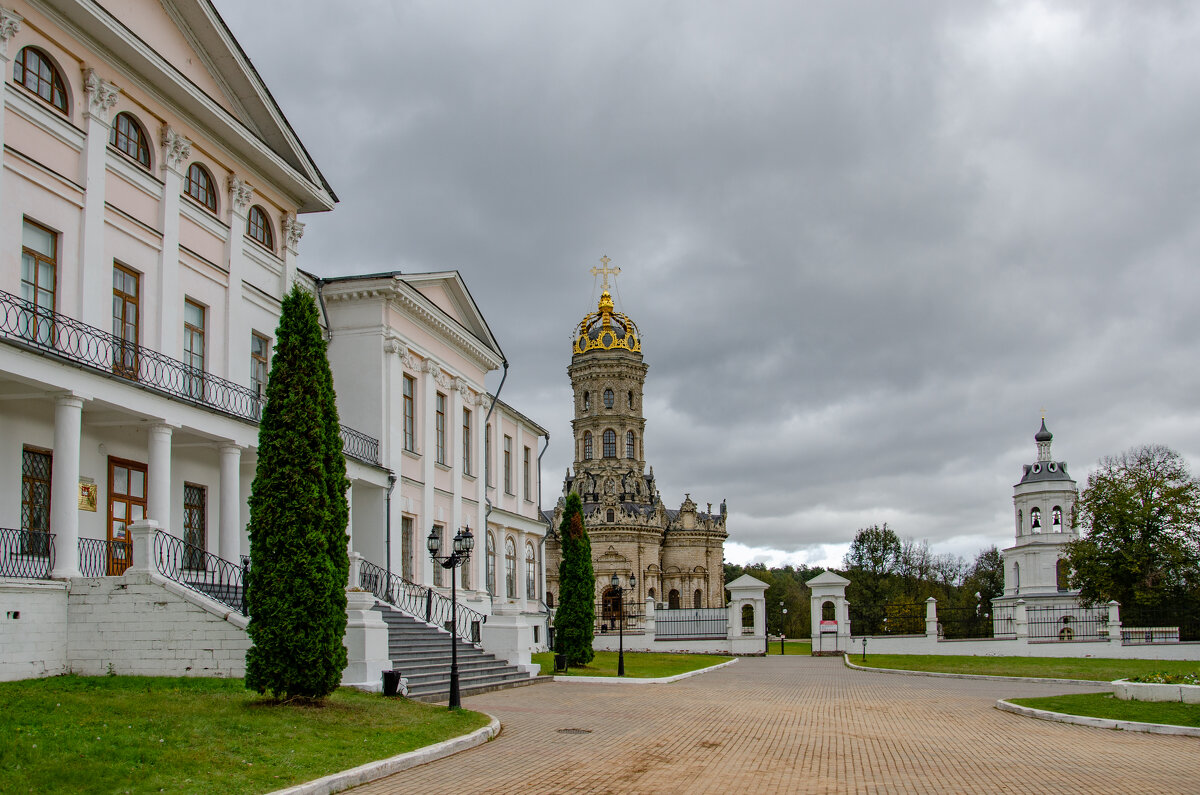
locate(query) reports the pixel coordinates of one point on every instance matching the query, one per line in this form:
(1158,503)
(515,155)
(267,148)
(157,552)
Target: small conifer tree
(576,614)
(295,588)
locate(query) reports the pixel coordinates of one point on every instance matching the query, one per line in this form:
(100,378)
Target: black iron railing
(1067,623)
(420,601)
(957,623)
(1161,624)
(205,573)
(28,554)
(26,325)
(608,616)
(691,622)
(893,618)
(99,557)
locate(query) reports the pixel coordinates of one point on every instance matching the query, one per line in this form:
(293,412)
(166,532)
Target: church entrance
(610,608)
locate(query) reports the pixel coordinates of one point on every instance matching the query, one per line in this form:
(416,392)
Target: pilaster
(293,230)
(10,25)
(427,401)
(95,274)
(237,356)
(174,156)
(454,455)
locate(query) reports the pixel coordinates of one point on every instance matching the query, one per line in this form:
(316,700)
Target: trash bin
(391,682)
(560,662)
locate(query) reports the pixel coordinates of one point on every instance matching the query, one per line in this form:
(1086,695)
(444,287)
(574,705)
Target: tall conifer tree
(295,588)
(576,615)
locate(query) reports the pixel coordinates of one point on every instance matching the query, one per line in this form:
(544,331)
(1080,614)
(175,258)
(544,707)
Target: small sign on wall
(87,495)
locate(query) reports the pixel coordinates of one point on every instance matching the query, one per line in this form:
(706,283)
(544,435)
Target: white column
(95,276)
(158,491)
(10,25)
(428,445)
(237,338)
(230,525)
(522,571)
(349,515)
(64,485)
(175,153)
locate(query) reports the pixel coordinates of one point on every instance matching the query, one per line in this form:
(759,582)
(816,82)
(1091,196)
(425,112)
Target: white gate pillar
(829,636)
(743,591)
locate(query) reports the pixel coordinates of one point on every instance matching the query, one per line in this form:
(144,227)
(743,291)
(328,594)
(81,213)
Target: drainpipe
(487,500)
(324,314)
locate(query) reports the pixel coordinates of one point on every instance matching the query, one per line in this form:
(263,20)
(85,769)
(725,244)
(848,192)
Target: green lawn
(146,734)
(1099,669)
(641,665)
(799,647)
(1103,705)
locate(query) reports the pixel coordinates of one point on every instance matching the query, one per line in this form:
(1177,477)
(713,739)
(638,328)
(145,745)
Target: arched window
(258,227)
(587,402)
(610,607)
(1060,572)
(490,573)
(747,619)
(610,443)
(1035,520)
(650,593)
(1056,519)
(510,568)
(611,516)
(608,398)
(1017,577)
(530,572)
(199,185)
(549,599)
(630,445)
(587,446)
(33,70)
(1020,522)
(631,398)
(128,136)
(673,600)
(697,598)
(828,612)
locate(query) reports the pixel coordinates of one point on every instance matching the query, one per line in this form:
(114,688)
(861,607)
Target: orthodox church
(676,555)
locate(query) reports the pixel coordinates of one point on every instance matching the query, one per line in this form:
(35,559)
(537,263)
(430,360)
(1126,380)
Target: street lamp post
(782,622)
(616,585)
(460,554)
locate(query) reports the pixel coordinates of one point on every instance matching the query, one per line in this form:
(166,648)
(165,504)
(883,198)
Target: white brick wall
(33,629)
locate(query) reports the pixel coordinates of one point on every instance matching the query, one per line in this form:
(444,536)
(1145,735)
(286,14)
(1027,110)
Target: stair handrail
(192,567)
(419,601)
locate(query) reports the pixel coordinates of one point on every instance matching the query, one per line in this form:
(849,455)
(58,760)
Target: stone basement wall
(143,625)
(33,629)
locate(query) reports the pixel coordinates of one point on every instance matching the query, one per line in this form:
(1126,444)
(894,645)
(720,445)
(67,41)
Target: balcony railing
(26,554)
(26,325)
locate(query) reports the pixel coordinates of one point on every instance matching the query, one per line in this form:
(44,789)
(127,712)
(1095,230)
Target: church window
(1061,571)
(651,594)
(258,227)
(127,136)
(1020,522)
(610,443)
(1056,519)
(33,70)
(1035,520)
(1017,577)
(630,445)
(530,572)
(673,600)
(631,399)
(587,402)
(510,568)
(611,516)
(490,573)
(587,446)
(697,598)
(199,185)
(608,399)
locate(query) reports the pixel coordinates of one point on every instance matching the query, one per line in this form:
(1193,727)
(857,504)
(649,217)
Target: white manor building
(149,203)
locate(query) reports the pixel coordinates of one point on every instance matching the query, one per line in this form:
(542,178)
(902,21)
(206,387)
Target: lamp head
(632,581)
(434,542)
(616,583)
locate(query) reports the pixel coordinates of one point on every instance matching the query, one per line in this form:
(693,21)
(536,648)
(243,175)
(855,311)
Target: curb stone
(337,782)
(1097,683)
(1098,723)
(626,680)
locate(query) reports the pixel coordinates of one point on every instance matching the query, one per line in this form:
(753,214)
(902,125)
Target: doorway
(126,503)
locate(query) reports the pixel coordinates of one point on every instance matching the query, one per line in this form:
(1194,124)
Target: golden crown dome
(606,330)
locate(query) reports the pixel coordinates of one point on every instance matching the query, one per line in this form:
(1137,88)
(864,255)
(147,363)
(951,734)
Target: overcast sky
(867,243)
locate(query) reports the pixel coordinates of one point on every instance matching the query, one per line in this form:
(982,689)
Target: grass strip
(1099,669)
(1104,705)
(638,664)
(191,735)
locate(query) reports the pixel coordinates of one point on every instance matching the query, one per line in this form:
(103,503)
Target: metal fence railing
(420,602)
(1067,623)
(201,571)
(1160,624)
(609,614)
(28,554)
(893,618)
(99,557)
(691,622)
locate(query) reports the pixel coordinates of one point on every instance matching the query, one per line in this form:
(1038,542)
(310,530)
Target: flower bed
(1159,687)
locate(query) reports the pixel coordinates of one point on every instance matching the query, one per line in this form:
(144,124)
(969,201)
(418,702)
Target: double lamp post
(459,555)
(620,592)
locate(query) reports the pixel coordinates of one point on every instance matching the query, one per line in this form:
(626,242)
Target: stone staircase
(422,655)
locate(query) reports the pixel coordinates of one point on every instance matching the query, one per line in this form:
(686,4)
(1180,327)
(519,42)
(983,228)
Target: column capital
(101,94)
(10,25)
(176,150)
(293,230)
(229,448)
(240,194)
(68,399)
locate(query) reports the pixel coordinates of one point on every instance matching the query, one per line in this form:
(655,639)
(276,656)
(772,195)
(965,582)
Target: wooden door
(126,503)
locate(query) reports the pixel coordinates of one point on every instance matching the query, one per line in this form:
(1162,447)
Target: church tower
(1044,510)
(676,555)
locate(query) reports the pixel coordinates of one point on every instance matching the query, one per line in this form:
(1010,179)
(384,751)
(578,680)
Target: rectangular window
(406,548)
(126,314)
(36,469)
(260,355)
(193,349)
(39,279)
(487,454)
(437,567)
(466,453)
(508,465)
(527,480)
(409,431)
(195,499)
(440,429)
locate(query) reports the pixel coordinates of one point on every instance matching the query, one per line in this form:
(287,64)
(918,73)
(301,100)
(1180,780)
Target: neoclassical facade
(677,554)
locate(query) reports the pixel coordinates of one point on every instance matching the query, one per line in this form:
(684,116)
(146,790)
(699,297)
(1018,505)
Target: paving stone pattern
(797,724)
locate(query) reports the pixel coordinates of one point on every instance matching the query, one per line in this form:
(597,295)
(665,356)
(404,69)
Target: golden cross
(606,271)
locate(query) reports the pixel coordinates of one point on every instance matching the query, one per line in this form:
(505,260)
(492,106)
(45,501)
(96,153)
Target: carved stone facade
(677,555)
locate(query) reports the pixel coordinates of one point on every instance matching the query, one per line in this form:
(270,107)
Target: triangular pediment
(448,292)
(827,578)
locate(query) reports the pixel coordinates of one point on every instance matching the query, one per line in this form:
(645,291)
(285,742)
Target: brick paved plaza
(797,724)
